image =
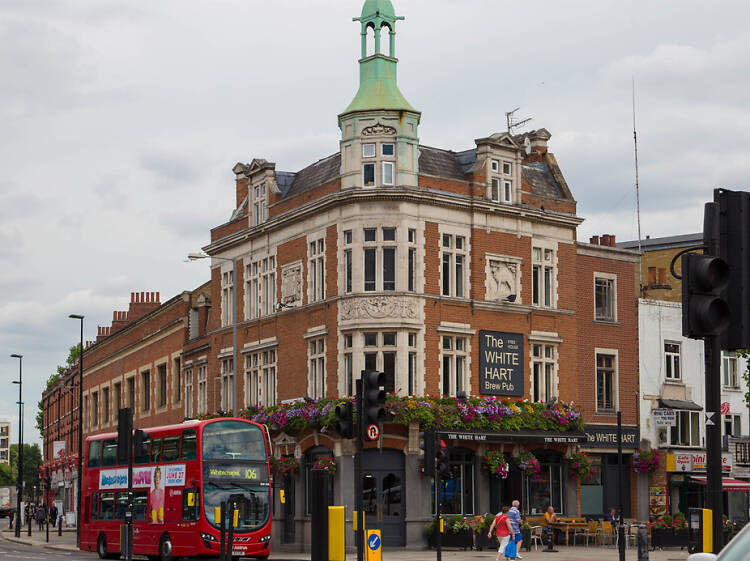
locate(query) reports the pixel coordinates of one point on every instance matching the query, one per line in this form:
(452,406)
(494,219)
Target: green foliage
(32,460)
(745,353)
(6,475)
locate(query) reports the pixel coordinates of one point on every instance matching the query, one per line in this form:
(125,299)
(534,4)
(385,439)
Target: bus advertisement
(180,476)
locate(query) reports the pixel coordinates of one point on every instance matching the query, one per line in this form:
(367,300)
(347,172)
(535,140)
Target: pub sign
(501,363)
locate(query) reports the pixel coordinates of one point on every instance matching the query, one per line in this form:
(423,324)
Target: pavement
(67,542)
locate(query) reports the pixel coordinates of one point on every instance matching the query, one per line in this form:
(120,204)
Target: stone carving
(379,307)
(378,130)
(502,279)
(291,284)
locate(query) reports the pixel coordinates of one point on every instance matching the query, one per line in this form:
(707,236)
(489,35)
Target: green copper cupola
(377,72)
(379,142)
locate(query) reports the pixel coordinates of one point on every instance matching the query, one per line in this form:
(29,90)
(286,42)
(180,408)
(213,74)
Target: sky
(120,122)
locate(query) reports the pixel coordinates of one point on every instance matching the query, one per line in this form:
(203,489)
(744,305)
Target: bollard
(29,521)
(59,526)
(642,543)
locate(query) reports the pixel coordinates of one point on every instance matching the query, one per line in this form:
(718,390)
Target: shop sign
(501,363)
(547,437)
(606,437)
(664,417)
(692,462)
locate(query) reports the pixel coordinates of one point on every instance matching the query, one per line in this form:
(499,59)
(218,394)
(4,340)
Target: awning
(728,484)
(679,404)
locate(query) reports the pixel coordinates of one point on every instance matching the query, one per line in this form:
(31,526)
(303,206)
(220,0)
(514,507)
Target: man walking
(514,515)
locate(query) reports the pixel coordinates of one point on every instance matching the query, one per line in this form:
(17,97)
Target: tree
(6,475)
(73,354)
(32,460)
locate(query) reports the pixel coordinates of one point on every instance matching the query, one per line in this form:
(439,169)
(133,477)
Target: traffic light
(441,460)
(124,435)
(48,482)
(139,443)
(373,397)
(704,310)
(734,248)
(345,419)
(428,446)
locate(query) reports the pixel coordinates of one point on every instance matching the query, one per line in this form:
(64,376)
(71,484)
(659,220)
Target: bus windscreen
(233,440)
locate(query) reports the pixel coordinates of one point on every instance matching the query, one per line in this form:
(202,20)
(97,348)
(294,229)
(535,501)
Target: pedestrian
(514,515)
(611,516)
(53,514)
(504,530)
(41,514)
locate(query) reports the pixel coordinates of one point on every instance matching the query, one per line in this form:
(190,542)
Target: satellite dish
(527,145)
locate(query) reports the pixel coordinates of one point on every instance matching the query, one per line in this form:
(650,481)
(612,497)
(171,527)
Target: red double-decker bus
(184,472)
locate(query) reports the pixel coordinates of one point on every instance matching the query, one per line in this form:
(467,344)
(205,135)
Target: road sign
(709,418)
(373,545)
(373,432)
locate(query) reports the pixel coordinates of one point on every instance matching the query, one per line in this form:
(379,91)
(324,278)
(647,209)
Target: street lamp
(19,490)
(235,352)
(80,432)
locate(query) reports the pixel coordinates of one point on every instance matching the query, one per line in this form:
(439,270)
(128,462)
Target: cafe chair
(607,534)
(536,537)
(592,532)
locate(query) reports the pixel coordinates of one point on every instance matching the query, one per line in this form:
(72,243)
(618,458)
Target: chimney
(605,240)
(612,242)
(141,304)
(119,320)
(594,240)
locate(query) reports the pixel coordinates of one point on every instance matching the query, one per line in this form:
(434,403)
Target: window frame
(544,277)
(226,373)
(546,367)
(202,383)
(674,359)
(449,254)
(610,279)
(316,367)
(730,377)
(453,356)
(602,372)
(316,268)
(227,291)
(694,429)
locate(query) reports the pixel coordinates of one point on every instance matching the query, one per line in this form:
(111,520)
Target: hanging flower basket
(286,465)
(326,463)
(645,461)
(495,464)
(579,467)
(529,465)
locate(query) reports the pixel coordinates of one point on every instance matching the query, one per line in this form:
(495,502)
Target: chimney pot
(132,297)
(143,297)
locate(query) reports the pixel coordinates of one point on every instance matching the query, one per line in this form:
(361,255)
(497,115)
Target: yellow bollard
(373,543)
(336,533)
(708,531)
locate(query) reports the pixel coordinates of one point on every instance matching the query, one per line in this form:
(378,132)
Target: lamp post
(235,352)
(19,490)
(80,433)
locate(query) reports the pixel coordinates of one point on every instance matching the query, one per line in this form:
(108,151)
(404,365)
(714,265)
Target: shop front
(686,472)
(601,491)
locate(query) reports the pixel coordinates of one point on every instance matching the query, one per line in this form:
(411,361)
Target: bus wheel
(165,548)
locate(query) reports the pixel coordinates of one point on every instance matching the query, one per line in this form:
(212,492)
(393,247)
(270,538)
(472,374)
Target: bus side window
(139,505)
(95,452)
(191,504)
(143,458)
(95,506)
(155,450)
(107,509)
(189,442)
(109,452)
(171,450)
(121,505)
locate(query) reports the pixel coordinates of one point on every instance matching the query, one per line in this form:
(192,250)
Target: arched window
(548,489)
(458,488)
(310,456)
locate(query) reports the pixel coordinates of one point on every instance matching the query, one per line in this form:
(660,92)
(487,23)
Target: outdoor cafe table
(567,526)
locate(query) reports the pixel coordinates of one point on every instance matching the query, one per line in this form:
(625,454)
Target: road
(19,552)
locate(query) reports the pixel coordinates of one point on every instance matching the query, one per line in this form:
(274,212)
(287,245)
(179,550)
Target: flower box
(668,537)
(462,539)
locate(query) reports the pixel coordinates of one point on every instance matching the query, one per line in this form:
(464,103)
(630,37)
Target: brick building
(5,442)
(456,273)
(672,389)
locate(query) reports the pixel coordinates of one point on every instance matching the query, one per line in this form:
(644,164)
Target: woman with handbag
(504,531)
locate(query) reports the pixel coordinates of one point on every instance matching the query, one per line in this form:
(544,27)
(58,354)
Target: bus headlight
(265,540)
(208,539)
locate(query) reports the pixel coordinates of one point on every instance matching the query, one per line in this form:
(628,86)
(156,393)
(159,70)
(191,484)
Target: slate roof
(312,176)
(440,163)
(540,180)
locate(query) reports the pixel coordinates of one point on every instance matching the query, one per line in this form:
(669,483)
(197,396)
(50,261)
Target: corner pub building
(449,271)
(457,274)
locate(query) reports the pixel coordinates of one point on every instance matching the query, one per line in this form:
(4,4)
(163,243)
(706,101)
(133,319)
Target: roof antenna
(637,191)
(512,122)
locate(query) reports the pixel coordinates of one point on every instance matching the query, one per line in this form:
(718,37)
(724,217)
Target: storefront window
(458,487)
(547,490)
(592,490)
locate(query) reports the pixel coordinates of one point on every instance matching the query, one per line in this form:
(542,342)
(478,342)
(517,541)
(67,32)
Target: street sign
(709,418)
(373,432)
(664,417)
(373,545)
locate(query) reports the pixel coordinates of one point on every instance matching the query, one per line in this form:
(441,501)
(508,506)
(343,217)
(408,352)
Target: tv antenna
(513,123)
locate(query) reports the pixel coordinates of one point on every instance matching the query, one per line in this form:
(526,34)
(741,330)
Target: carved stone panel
(503,278)
(291,284)
(379,307)
(378,130)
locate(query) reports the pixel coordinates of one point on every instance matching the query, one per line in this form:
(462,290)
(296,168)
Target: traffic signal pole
(358,504)
(712,355)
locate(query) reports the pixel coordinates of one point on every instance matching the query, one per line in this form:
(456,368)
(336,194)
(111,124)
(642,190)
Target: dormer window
(260,204)
(368,150)
(388,149)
